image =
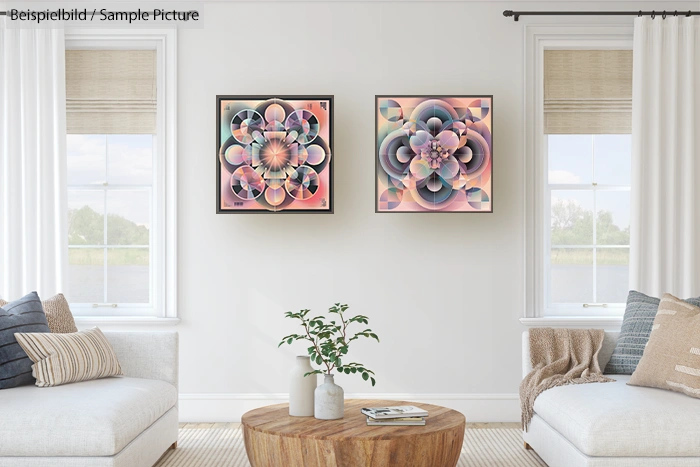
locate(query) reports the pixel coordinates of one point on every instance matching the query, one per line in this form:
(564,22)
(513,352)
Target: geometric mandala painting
(434,154)
(274,154)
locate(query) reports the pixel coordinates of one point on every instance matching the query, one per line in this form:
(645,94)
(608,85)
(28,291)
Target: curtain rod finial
(509,13)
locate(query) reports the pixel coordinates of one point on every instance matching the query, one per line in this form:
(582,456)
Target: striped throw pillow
(68,358)
(671,359)
(23,315)
(58,313)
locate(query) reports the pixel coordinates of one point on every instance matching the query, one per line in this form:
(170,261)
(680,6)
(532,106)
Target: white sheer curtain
(665,222)
(33,246)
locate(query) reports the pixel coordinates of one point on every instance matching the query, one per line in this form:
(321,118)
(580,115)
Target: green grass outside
(584,256)
(115,256)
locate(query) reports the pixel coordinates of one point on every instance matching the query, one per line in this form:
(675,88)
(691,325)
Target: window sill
(84,321)
(609,323)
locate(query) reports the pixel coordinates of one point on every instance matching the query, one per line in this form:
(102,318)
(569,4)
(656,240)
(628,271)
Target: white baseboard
(229,407)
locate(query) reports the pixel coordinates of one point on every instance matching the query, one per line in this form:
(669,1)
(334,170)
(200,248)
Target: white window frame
(163,247)
(539,38)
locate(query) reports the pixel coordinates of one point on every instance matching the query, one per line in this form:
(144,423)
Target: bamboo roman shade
(588,91)
(111,91)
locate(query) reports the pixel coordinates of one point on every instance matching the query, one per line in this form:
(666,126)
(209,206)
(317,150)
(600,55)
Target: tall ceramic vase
(301,388)
(329,400)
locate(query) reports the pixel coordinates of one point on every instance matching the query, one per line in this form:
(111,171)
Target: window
(577,174)
(110,219)
(588,201)
(120,173)
(587,148)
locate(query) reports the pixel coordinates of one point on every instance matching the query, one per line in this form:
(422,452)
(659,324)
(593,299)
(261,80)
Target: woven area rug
(223,447)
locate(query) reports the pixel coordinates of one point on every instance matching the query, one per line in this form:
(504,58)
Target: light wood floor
(203,426)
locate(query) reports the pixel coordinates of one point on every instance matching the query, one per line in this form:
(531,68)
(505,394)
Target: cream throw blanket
(560,357)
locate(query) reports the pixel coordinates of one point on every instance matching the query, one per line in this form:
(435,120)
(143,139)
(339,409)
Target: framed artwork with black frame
(434,154)
(274,154)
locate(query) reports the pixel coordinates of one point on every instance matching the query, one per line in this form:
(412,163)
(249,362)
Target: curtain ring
(653,14)
(688,15)
(675,13)
(640,14)
(664,15)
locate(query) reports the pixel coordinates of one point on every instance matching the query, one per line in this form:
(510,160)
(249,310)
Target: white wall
(444,292)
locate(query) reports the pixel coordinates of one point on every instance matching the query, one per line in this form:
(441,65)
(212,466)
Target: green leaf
(337,361)
(319,360)
(365,376)
(373,381)
(347,370)
(354,370)
(289,341)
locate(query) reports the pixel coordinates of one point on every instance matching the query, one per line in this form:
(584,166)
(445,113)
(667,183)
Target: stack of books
(403,415)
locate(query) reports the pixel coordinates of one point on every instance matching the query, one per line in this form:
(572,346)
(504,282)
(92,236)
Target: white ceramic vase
(301,388)
(329,401)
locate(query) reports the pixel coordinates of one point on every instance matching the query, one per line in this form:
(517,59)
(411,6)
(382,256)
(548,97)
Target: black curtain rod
(517,14)
(6,13)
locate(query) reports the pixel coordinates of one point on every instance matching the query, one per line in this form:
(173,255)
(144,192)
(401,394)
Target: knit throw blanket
(560,357)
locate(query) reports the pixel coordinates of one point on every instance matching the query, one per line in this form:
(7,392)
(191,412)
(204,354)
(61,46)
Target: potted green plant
(330,341)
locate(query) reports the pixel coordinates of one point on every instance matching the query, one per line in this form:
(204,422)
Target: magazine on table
(400,411)
(414,421)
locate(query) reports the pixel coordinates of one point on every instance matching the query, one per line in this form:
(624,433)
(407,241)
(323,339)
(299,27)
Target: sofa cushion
(23,315)
(672,356)
(616,420)
(90,418)
(69,357)
(57,312)
(636,327)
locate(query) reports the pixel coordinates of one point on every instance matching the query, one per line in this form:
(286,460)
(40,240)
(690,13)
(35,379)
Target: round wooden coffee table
(274,439)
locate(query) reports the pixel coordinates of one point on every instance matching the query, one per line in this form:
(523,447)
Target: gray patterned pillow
(634,335)
(23,315)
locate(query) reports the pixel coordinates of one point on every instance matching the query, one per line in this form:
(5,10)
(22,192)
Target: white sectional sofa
(125,421)
(612,424)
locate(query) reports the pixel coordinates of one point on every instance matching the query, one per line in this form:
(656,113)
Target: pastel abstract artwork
(434,154)
(274,154)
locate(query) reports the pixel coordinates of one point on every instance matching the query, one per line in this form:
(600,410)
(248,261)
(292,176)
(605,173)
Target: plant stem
(318,351)
(345,324)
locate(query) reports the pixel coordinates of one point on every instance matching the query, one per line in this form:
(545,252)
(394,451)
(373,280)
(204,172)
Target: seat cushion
(617,420)
(90,418)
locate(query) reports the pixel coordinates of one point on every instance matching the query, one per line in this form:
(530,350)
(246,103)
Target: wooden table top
(275,419)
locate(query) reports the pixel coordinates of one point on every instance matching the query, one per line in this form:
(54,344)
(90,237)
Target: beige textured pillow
(57,312)
(68,358)
(671,359)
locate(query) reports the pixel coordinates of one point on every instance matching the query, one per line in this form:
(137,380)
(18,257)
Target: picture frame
(434,153)
(274,154)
